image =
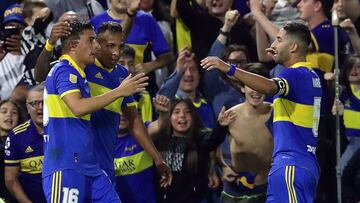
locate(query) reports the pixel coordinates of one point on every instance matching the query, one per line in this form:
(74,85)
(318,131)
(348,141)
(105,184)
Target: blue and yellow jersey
(24,149)
(144,106)
(351,101)
(322,41)
(106,121)
(68,140)
(134,172)
(296,118)
(145,35)
(205,111)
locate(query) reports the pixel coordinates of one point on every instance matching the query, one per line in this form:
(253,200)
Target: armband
(281,84)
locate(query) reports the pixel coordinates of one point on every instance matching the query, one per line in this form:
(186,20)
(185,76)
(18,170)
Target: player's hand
(211,62)
(2,50)
(13,44)
(228,174)
(183,56)
(161,104)
(214,180)
(165,172)
(231,17)
(132,85)
(132,6)
(60,29)
(226,117)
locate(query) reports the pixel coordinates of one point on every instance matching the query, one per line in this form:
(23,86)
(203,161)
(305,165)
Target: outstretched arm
(256,82)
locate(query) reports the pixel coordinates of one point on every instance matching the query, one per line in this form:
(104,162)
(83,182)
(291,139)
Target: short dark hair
(326,6)
(258,68)
(301,32)
(235,47)
(127,51)
(112,27)
(77,29)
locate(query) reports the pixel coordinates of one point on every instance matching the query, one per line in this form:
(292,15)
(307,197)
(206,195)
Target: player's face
(307,8)
(181,119)
(354,75)
(34,104)
(146,5)
(190,80)
(218,7)
(9,116)
(109,53)
(128,62)
(281,47)
(253,97)
(87,47)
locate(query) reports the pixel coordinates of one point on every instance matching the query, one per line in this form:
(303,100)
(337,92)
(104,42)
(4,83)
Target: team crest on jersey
(73,78)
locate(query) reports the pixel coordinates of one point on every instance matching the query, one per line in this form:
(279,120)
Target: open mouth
(216,4)
(182,123)
(8,121)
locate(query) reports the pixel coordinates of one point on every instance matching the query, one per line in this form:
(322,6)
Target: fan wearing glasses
(24,153)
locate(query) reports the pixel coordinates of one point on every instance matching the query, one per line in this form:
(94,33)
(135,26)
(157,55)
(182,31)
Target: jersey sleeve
(158,42)
(67,82)
(286,82)
(12,157)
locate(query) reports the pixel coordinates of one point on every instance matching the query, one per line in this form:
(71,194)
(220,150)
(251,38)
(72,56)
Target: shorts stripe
(56,187)
(289,178)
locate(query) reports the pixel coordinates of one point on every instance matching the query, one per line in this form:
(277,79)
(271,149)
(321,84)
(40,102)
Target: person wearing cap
(11,57)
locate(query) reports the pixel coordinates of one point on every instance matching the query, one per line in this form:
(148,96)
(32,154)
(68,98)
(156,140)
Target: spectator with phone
(11,57)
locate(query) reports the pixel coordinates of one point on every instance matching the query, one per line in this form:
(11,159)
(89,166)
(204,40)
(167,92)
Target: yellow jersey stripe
(96,89)
(355,91)
(352,119)
(315,42)
(307,65)
(59,109)
(244,181)
(12,161)
(32,165)
(73,64)
(299,114)
(68,92)
(98,64)
(139,52)
(24,125)
(132,164)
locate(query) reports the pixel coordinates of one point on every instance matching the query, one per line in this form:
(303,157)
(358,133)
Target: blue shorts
(291,184)
(77,187)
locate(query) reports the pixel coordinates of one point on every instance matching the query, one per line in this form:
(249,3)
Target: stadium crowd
(196,101)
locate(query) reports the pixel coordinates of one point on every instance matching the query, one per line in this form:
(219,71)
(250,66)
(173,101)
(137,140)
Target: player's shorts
(71,186)
(291,184)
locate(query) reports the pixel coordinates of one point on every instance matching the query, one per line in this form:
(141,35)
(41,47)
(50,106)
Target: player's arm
(256,82)
(82,106)
(13,184)
(137,128)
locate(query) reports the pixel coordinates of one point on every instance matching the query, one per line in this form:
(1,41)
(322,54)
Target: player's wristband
(49,47)
(281,84)
(232,70)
